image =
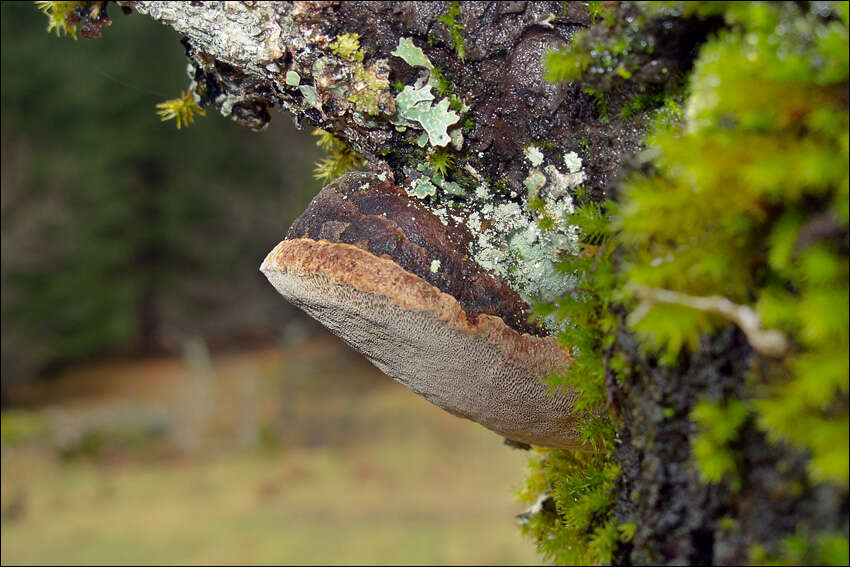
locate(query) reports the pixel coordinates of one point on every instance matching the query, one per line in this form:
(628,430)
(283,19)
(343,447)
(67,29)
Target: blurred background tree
(121,234)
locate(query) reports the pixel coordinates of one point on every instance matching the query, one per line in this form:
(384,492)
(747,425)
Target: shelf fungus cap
(471,365)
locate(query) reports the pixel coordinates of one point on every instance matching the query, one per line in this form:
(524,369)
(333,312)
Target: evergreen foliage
(106,218)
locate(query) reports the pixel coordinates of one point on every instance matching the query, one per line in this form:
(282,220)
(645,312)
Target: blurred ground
(296,454)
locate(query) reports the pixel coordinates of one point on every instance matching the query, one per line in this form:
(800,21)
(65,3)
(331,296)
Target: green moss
(640,103)
(441,161)
(449,19)
(581,530)
(746,167)
(572,526)
(616,54)
(61,16)
(599,13)
(440,83)
(756,163)
(182,110)
(601,104)
(340,158)
(712,446)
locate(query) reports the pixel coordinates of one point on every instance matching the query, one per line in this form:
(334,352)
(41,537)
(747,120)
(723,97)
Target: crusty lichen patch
(520,240)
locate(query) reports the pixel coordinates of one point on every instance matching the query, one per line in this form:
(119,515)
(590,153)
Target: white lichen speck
(572,161)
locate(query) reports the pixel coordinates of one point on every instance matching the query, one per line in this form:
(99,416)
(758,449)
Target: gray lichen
(246,35)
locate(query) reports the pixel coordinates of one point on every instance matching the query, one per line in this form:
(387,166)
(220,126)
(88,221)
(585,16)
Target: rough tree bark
(419,86)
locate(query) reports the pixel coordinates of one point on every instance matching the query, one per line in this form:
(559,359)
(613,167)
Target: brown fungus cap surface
(377,216)
(473,367)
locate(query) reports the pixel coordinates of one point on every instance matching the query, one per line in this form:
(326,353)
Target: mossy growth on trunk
(722,445)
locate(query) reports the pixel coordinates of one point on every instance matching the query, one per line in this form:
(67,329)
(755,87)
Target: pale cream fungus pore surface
(472,366)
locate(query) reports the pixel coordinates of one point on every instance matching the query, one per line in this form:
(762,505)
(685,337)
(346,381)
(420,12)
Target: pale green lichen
(442,214)
(422,187)
(520,241)
(411,54)
(560,182)
(414,107)
(408,99)
(457,136)
(573,162)
(535,271)
(293,79)
(435,120)
(534,155)
(310,94)
(449,187)
(534,181)
(452,188)
(435,265)
(511,242)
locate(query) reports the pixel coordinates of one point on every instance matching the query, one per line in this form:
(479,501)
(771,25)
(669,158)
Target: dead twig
(769,342)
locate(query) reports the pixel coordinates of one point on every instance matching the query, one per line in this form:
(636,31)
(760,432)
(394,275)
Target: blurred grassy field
(300,454)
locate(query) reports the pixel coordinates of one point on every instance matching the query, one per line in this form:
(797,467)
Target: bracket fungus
(359,260)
